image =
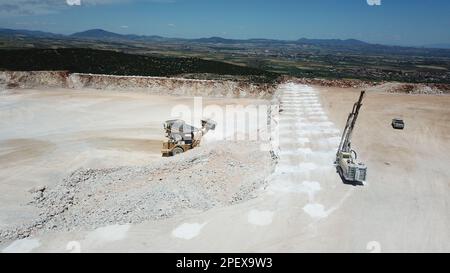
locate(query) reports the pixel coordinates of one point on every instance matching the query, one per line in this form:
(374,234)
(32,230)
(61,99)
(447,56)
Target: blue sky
(402,22)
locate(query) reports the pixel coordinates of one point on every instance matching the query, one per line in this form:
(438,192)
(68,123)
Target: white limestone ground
(22,246)
(307,143)
(310,209)
(188,231)
(51,137)
(315,210)
(99,238)
(260,218)
(108,234)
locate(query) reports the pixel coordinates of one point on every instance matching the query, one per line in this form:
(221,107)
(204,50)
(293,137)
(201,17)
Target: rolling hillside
(117,63)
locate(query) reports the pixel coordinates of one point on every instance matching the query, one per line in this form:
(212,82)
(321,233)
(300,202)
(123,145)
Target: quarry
(82,171)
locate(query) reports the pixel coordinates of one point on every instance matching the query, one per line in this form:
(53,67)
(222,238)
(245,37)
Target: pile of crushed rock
(389,87)
(412,88)
(217,175)
(341,83)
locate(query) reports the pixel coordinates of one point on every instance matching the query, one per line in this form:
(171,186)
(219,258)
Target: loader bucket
(209,124)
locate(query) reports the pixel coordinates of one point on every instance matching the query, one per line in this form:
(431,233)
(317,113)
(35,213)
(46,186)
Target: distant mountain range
(324,45)
(443,46)
(28,33)
(100,34)
(103,34)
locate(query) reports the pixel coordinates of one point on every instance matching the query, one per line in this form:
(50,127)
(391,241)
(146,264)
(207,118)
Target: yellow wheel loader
(182,137)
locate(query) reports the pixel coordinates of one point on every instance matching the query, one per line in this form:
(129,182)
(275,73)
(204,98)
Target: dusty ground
(48,134)
(205,178)
(405,204)
(305,206)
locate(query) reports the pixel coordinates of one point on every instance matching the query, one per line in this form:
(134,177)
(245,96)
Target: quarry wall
(151,85)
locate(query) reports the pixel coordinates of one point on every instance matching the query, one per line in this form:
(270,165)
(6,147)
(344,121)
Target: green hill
(81,60)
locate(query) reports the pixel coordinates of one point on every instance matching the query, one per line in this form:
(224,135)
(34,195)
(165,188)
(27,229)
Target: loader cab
(178,131)
(182,137)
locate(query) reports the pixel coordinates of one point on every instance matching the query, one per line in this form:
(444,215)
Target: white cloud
(29,7)
(73,2)
(374,2)
(38,7)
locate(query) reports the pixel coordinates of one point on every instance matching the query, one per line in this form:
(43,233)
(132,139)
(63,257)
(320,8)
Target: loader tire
(177,151)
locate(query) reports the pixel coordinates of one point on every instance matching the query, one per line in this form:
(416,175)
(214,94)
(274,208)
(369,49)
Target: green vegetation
(117,63)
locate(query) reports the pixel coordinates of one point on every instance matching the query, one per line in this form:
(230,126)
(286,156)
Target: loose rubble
(389,87)
(196,87)
(411,88)
(150,85)
(208,177)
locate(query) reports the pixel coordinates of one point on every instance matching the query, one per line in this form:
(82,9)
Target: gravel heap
(212,176)
(410,88)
